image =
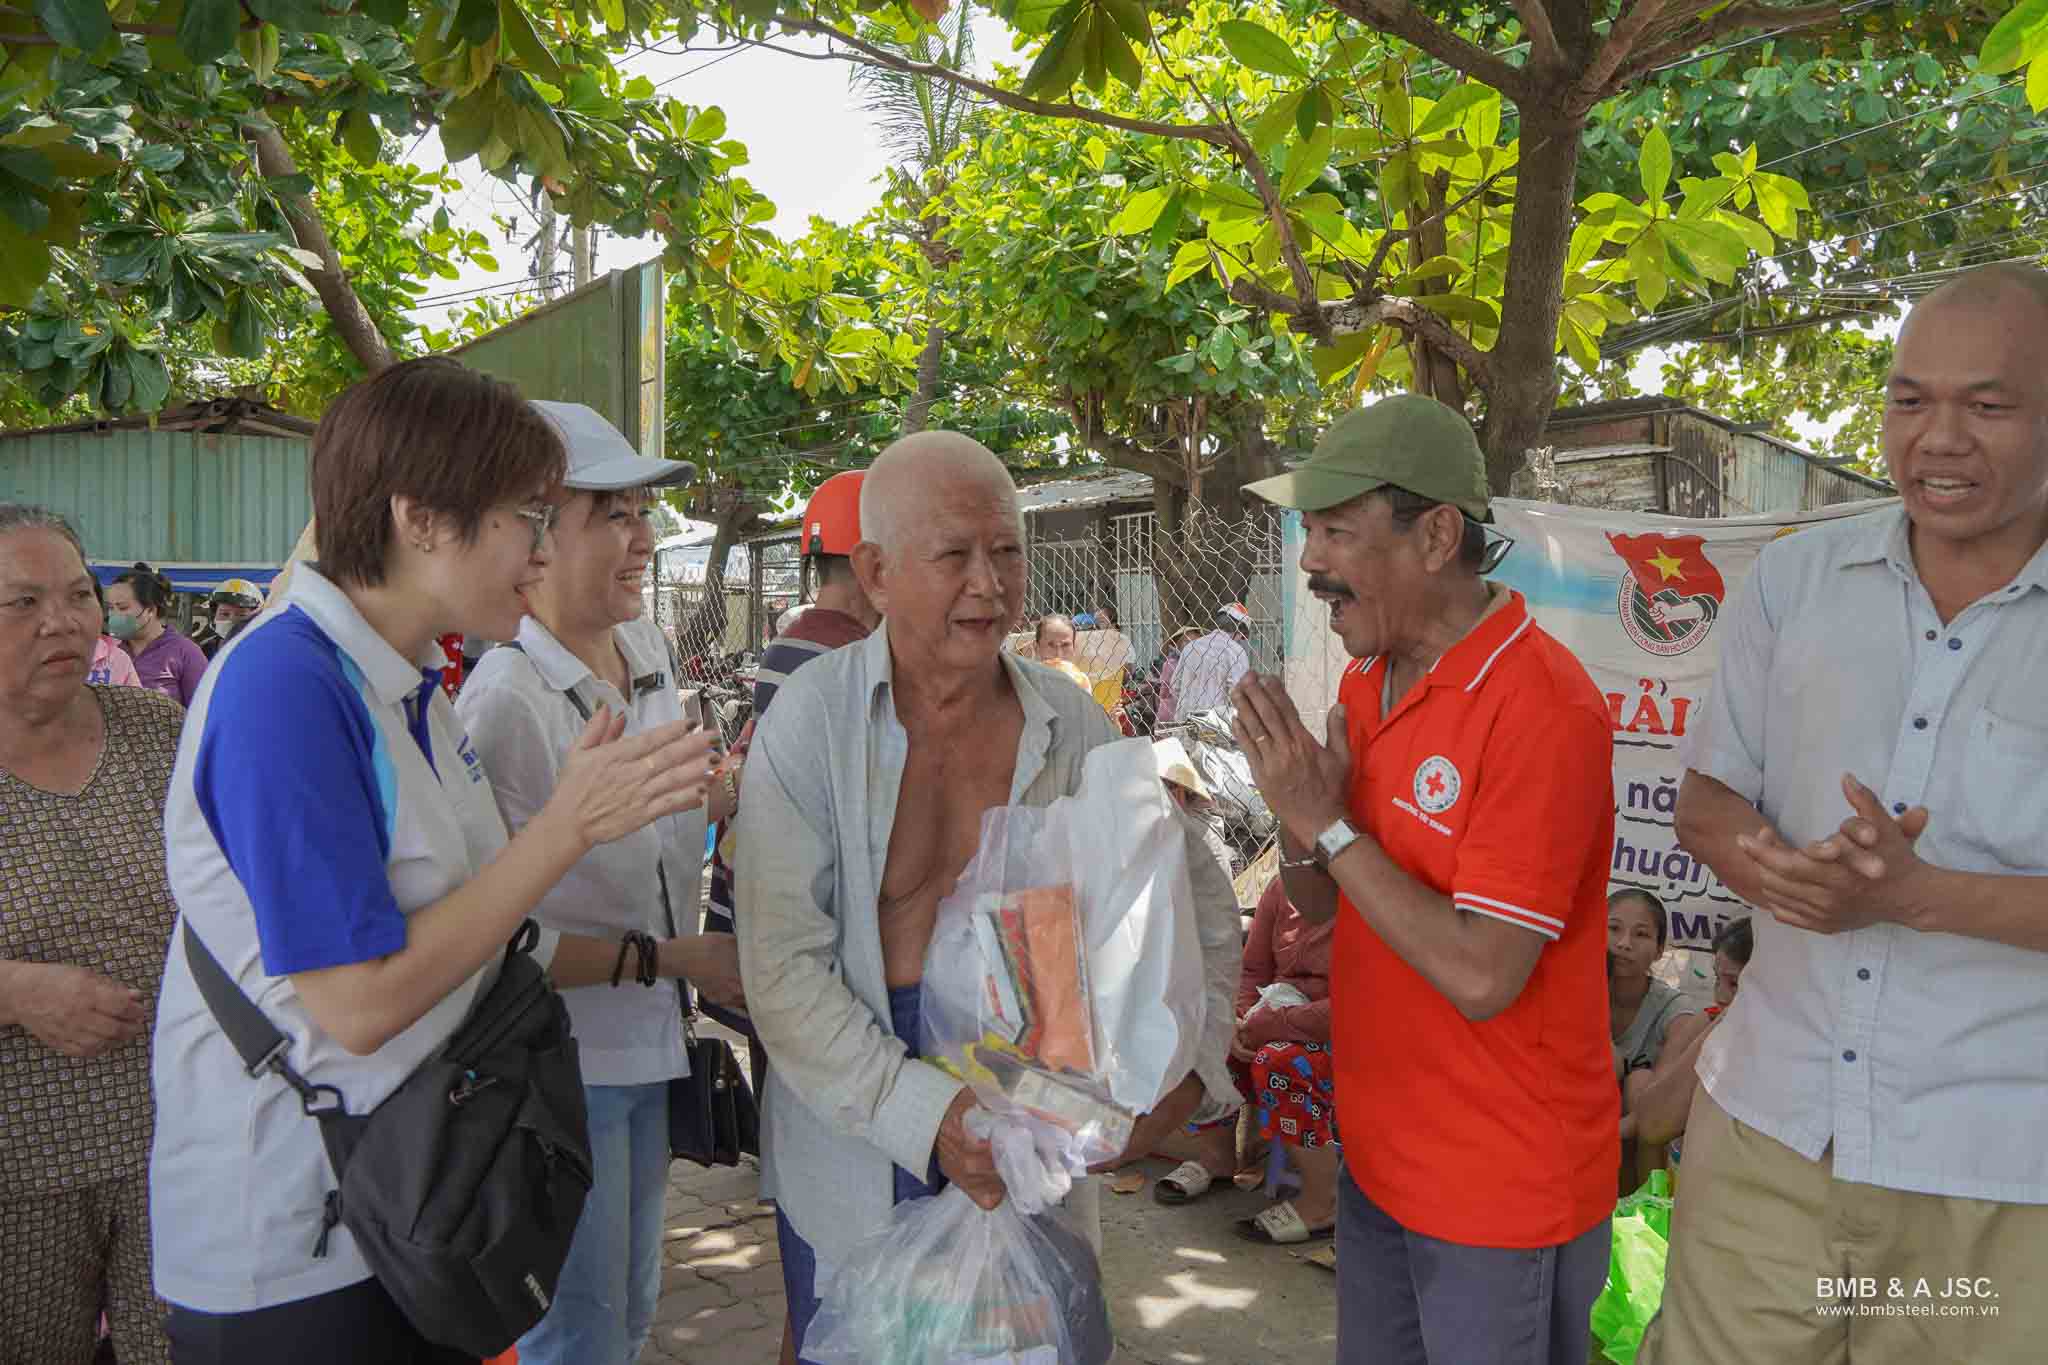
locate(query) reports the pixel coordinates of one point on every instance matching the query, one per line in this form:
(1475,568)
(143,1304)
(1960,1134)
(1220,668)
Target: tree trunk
(1434,372)
(352,321)
(1205,551)
(1524,388)
(546,248)
(704,632)
(918,411)
(583,252)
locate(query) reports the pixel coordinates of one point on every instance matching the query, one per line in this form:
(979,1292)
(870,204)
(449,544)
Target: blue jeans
(604,1303)
(799,1262)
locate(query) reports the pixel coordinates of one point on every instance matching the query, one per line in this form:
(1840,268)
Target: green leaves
(1306,161)
(1449,112)
(24,264)
(1141,211)
(359,135)
(1779,199)
(1655,164)
(1258,47)
(526,44)
(1647,258)
(2017,39)
(207,28)
(83,24)
(1090,40)
(1191,260)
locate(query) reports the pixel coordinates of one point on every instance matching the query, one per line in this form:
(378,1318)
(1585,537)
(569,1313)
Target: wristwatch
(1332,842)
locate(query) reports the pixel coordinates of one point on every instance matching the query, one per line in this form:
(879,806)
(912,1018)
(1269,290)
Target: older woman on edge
(334,842)
(85,915)
(585,644)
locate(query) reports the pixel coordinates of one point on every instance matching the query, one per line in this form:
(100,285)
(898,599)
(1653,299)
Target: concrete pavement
(1184,1290)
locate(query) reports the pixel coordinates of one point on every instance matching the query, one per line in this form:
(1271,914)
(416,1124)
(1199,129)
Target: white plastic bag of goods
(1119,843)
(1138,910)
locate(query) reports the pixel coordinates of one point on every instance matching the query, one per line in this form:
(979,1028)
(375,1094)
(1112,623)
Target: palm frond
(921,120)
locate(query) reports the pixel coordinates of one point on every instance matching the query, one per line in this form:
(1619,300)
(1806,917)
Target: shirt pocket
(2004,811)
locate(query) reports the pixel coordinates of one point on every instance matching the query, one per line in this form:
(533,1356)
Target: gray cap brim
(630,471)
(600,460)
(1313,490)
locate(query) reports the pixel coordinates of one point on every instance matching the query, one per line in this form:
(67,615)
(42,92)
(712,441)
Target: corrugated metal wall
(1757,476)
(166,496)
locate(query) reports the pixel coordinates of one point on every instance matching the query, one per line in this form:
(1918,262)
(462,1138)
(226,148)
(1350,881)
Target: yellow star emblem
(1667,566)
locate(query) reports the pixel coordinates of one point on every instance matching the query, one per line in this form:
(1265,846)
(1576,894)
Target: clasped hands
(1867,872)
(1303,781)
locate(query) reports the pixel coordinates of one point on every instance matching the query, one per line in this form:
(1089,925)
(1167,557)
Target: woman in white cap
(587,644)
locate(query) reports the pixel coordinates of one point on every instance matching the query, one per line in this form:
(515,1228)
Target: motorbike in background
(1239,813)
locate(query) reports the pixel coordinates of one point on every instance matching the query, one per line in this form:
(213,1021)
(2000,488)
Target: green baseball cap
(1407,441)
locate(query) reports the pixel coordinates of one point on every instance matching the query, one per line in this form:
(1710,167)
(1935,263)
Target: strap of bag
(668,913)
(260,1045)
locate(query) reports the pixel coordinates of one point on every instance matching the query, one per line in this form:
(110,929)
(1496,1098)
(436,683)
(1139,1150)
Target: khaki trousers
(1776,1262)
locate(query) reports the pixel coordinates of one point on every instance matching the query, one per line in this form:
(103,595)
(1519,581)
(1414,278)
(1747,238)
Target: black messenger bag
(462,1189)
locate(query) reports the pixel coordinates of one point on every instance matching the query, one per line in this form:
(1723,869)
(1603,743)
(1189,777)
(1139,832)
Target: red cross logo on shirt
(1437,784)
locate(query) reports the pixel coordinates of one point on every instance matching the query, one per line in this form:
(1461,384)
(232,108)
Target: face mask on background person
(122,626)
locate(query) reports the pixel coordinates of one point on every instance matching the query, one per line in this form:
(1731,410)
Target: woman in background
(111,666)
(1649,1022)
(165,659)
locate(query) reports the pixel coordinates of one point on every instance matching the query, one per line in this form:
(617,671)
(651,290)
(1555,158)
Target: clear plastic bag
(1064,979)
(1064,983)
(948,1283)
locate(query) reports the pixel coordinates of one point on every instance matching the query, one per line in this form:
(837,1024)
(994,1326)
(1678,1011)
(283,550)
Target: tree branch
(1362,315)
(1779,18)
(1290,250)
(352,321)
(1388,242)
(1543,47)
(1401,19)
(1213,133)
(1627,35)
(1632,49)
(1085,411)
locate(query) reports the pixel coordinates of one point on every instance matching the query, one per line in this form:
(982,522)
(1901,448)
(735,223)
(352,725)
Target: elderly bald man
(865,791)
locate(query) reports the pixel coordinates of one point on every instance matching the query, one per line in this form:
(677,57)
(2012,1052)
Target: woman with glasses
(334,842)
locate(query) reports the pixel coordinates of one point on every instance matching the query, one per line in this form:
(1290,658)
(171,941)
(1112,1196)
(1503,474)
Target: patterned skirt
(1292,1092)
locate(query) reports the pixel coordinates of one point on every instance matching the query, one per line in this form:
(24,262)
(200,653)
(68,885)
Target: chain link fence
(1178,616)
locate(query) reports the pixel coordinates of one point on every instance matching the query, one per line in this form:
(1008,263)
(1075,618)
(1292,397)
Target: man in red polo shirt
(1458,823)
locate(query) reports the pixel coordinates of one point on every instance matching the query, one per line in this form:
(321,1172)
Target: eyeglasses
(542,519)
(1497,547)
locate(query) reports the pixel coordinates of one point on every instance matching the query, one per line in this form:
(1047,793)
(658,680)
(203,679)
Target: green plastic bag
(1635,1270)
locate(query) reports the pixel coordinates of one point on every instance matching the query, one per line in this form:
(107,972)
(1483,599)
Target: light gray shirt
(844,1102)
(1923,1057)
(523,727)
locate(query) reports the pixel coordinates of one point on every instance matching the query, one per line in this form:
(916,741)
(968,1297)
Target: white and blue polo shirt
(324,790)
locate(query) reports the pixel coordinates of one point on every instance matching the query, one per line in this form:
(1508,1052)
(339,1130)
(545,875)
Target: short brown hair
(453,439)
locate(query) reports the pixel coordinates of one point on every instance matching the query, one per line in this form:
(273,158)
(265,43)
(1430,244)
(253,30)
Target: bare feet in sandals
(1282,1225)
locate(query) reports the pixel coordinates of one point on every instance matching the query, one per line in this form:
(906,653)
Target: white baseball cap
(600,460)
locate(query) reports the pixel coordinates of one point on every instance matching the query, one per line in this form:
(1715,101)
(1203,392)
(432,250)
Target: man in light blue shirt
(1864,1178)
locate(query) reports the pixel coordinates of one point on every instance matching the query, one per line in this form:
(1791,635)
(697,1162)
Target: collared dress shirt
(523,728)
(1921,1057)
